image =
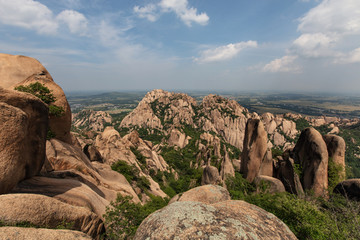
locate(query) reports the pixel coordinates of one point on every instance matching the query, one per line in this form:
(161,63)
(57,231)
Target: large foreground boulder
(18,70)
(23,128)
(59,125)
(20,233)
(349,188)
(223,220)
(43,211)
(256,158)
(311,153)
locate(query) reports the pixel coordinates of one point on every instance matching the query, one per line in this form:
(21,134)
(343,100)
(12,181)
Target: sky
(223,45)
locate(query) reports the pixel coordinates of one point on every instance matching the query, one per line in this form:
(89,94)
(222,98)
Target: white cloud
(148,12)
(326,29)
(284,64)
(28,14)
(352,57)
(332,16)
(224,52)
(33,15)
(181,8)
(184,12)
(314,45)
(76,21)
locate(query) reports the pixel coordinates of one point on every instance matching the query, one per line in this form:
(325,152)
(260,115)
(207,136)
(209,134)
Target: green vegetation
(351,135)
(45,94)
(138,155)
(301,124)
(309,217)
(123,217)
(276,152)
(334,174)
(153,135)
(129,172)
(39,90)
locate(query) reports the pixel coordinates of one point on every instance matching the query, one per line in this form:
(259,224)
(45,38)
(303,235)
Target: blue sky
(237,45)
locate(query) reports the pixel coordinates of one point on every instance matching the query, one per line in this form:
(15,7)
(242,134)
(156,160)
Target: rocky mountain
(167,147)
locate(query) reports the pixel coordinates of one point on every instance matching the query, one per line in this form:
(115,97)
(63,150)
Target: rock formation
(21,70)
(256,158)
(336,149)
(210,176)
(92,153)
(69,191)
(226,118)
(90,120)
(207,194)
(70,162)
(16,68)
(23,128)
(349,188)
(44,211)
(270,184)
(222,220)
(312,155)
(40,234)
(285,172)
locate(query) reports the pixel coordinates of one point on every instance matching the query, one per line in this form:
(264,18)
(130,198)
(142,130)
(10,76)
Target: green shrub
(45,94)
(56,111)
(39,90)
(123,217)
(334,174)
(129,172)
(239,187)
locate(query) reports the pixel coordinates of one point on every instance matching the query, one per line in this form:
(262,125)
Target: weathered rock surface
(312,155)
(273,185)
(114,148)
(349,188)
(20,70)
(210,176)
(45,211)
(256,158)
(207,194)
(92,153)
(286,174)
(91,120)
(227,168)
(59,125)
(23,128)
(177,138)
(280,128)
(223,220)
(19,233)
(70,162)
(226,118)
(16,68)
(336,149)
(69,191)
